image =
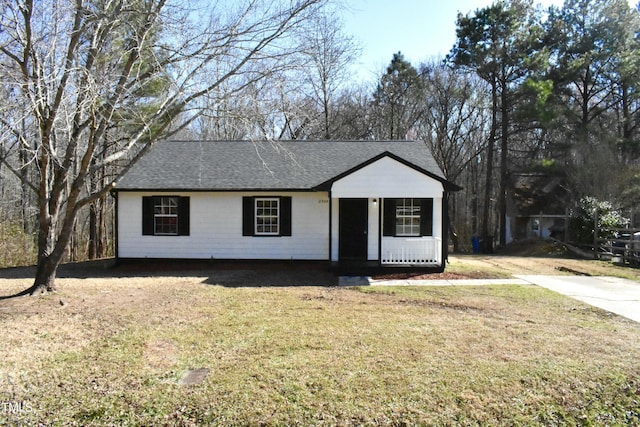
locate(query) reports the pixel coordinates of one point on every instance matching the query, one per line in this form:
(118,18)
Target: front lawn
(114,351)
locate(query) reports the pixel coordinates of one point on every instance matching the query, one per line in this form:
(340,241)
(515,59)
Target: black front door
(353,229)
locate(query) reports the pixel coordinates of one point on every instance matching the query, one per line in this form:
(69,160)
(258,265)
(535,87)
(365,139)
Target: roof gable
(386,178)
(449,186)
(266,166)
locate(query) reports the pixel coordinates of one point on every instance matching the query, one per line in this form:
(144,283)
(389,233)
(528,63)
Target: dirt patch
(527,257)
(429,276)
(160,354)
(536,248)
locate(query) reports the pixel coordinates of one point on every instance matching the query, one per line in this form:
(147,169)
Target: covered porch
(359,235)
(387,215)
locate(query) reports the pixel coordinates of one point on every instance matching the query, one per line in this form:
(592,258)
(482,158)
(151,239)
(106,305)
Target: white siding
(373,230)
(386,178)
(216,229)
(437,218)
(335,230)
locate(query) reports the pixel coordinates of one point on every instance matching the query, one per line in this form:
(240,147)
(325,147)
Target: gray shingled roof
(247,165)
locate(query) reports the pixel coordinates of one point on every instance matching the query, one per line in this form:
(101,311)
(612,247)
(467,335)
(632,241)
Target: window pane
(267,216)
(408,217)
(165,212)
(166,225)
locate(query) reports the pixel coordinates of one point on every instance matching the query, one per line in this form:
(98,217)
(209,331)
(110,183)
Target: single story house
(380,203)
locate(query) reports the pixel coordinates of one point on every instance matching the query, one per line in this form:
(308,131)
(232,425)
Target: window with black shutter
(165,216)
(407,217)
(426,217)
(266,216)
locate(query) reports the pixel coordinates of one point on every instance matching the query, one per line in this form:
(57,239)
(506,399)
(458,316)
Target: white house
(380,203)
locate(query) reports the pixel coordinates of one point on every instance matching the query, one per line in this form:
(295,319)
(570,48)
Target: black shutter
(389,223)
(147,216)
(285,216)
(248,209)
(426,217)
(183,216)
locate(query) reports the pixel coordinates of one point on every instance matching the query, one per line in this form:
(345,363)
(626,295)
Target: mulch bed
(416,276)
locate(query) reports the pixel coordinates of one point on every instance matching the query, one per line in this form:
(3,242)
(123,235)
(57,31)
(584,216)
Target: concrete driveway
(619,296)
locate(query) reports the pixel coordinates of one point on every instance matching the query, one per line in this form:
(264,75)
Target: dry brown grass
(504,266)
(115,350)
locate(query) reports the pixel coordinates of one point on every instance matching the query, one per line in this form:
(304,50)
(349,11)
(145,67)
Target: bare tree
(299,102)
(455,123)
(81,69)
(354,117)
(328,52)
(455,128)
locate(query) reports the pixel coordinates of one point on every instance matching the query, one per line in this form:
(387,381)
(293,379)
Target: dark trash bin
(486,245)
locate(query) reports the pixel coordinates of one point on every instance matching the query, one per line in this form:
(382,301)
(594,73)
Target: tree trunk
(93,231)
(51,249)
(45,277)
(325,105)
(97,211)
(47,264)
(102,243)
(25,204)
(475,186)
(97,229)
(53,239)
(504,147)
(486,213)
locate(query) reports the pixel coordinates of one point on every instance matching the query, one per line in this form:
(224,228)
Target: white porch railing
(411,250)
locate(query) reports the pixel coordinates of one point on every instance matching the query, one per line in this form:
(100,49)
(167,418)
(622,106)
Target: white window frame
(259,217)
(165,207)
(408,217)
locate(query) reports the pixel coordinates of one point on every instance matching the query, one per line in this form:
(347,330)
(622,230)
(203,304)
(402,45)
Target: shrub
(583,219)
(18,247)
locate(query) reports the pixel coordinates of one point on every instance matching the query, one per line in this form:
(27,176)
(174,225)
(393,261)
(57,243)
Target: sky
(420,29)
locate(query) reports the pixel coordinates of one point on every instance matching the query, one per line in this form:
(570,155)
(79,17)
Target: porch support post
(445,228)
(380,211)
(116,215)
(330,228)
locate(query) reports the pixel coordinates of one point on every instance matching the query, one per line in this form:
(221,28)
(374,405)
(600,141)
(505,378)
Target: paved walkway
(619,296)
(368,281)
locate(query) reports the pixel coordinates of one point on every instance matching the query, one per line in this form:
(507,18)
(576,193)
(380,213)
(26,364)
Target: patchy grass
(113,351)
(505,266)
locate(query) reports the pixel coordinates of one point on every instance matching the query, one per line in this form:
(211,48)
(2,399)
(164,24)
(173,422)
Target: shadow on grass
(220,273)
(287,276)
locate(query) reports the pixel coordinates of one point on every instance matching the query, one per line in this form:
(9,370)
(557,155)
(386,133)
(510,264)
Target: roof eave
(448,185)
(210,190)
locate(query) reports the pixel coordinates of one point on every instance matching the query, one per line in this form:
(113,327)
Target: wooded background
(533,109)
